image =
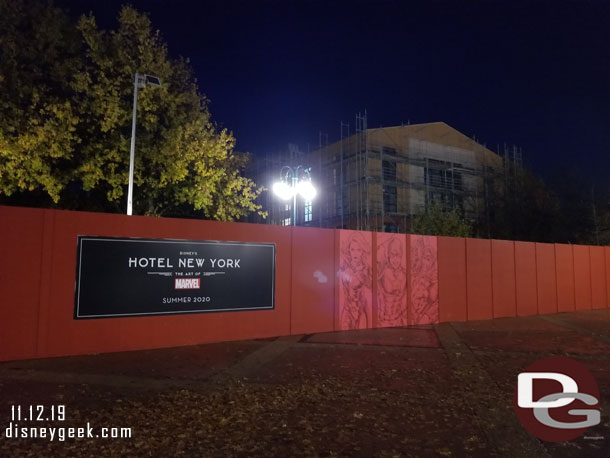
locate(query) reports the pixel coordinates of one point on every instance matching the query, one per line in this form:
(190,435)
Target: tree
(38,117)
(524,208)
(438,221)
(581,214)
(183,160)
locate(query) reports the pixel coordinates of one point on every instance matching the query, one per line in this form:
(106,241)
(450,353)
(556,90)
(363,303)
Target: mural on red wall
(424,279)
(391,280)
(355,297)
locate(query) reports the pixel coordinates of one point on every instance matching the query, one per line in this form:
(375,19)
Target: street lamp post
(302,186)
(138,81)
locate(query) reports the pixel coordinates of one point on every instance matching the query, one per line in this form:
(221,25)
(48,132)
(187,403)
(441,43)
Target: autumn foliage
(66,97)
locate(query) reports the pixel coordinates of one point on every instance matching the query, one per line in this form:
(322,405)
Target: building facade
(378,179)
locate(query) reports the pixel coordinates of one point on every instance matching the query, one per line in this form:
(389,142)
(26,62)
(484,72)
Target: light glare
(306,189)
(282,190)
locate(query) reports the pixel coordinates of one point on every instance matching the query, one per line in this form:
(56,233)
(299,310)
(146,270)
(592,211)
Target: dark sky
(535,73)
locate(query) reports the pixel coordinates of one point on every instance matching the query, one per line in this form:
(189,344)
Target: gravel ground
(443,391)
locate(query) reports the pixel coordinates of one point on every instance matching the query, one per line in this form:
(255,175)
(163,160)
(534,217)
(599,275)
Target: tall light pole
(138,81)
(303,186)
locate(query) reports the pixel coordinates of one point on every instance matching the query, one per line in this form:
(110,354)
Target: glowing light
(306,190)
(283,191)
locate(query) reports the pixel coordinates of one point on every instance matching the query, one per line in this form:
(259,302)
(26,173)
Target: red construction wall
(313,280)
(325,280)
(355,280)
(453,301)
(582,277)
(503,278)
(37,280)
(607,256)
(564,270)
(173,329)
(526,278)
(478,279)
(390,286)
(21,247)
(423,279)
(546,276)
(599,296)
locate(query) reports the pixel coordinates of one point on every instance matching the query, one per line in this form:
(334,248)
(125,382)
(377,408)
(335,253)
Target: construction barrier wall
(325,280)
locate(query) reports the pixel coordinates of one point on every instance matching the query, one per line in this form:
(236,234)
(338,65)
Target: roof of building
(431,131)
(399,137)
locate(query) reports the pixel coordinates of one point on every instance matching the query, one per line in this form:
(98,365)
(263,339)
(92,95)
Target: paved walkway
(444,390)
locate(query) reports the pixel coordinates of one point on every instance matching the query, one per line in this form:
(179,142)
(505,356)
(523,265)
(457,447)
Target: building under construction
(378,179)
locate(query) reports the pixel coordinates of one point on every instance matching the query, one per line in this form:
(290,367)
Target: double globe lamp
(291,184)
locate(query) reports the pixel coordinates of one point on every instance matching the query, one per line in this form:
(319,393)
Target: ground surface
(443,390)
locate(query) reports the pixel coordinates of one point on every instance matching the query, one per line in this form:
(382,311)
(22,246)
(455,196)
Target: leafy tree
(38,115)
(602,229)
(184,162)
(524,208)
(438,221)
(582,214)
(570,209)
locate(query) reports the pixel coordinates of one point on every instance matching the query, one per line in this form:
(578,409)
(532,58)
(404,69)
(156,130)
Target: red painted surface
(564,267)
(547,278)
(599,296)
(391,280)
(313,280)
(20,260)
(607,256)
(503,278)
(525,278)
(375,285)
(44,325)
(423,276)
(171,330)
(325,280)
(355,282)
(452,279)
(336,256)
(582,277)
(478,279)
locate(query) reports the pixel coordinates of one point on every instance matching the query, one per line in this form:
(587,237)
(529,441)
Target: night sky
(535,74)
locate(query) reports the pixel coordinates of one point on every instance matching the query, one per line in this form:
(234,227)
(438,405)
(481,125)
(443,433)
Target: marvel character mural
(391,280)
(355,280)
(406,280)
(424,279)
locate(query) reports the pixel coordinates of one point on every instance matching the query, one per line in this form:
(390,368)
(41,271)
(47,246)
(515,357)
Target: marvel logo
(187,283)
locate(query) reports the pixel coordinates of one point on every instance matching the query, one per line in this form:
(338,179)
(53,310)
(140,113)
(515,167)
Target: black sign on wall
(117,277)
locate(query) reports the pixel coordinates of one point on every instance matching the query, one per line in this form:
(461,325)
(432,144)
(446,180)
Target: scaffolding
(379,184)
(379,179)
